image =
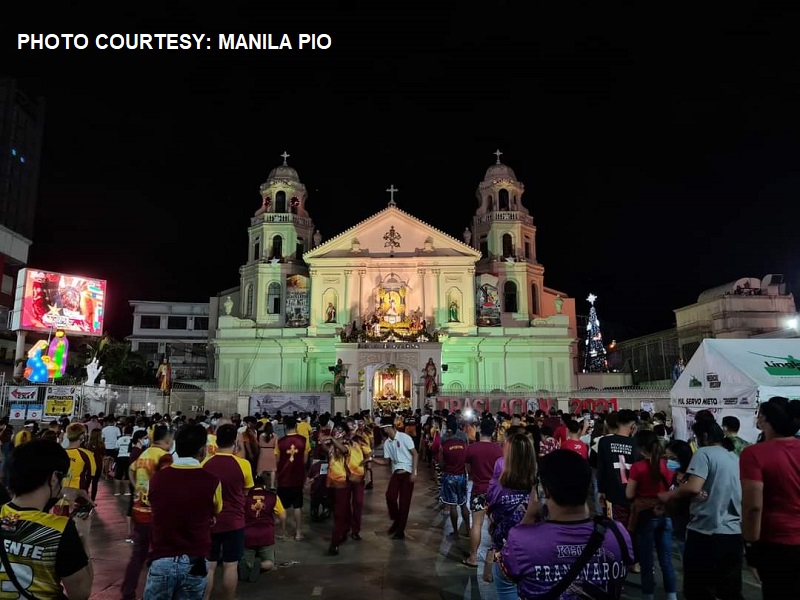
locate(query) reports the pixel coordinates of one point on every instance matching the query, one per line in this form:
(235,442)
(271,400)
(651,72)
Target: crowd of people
(573,502)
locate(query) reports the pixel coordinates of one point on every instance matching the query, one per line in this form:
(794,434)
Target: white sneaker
(117,494)
(127,494)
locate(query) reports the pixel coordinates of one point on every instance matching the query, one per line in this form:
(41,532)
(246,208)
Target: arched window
(534,299)
(502,199)
(248,305)
(277,247)
(257,249)
(293,205)
(299,248)
(508,245)
(484,247)
(274,298)
(280,202)
(510,297)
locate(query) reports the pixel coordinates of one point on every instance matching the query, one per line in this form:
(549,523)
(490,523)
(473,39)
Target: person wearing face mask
(45,551)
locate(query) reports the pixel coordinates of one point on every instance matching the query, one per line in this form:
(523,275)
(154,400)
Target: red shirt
(260,510)
(776,463)
(481,457)
(454,455)
(184,499)
(645,486)
(236,476)
(560,434)
(291,451)
(576,446)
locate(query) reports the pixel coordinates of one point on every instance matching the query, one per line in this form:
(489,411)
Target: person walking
(150,461)
(453,493)
(400,454)
(292,453)
(185,499)
(227,533)
(649,522)
(481,458)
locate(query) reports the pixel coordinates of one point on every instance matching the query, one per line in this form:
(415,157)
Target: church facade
(393,311)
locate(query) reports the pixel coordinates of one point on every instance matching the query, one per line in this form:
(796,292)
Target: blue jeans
(505,589)
(169,578)
(656,534)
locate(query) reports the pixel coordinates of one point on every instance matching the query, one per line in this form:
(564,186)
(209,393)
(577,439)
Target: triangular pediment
(391,232)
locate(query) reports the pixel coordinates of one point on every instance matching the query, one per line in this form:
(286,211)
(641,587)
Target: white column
(344,305)
(437,274)
(361,273)
(421,273)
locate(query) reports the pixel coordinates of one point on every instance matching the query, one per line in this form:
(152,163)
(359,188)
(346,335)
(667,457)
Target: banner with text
(60,401)
(288,402)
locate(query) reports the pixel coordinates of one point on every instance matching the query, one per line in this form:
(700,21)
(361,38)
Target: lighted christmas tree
(594,353)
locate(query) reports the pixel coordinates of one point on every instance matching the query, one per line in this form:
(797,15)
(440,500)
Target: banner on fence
(35,412)
(287,403)
(17,412)
(18,393)
(60,401)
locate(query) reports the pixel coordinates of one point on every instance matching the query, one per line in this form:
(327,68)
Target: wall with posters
(61,401)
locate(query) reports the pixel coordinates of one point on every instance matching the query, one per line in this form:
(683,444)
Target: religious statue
(164,376)
(93,369)
(467,236)
(228,305)
(317,238)
(559,302)
(453,312)
(330,313)
(338,378)
(430,378)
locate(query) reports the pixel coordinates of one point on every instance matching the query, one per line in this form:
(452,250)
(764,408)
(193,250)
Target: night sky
(659,150)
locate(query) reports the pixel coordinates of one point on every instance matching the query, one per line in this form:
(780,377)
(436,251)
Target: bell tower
(504,233)
(280,233)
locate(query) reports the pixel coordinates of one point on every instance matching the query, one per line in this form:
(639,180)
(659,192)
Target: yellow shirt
(211,444)
(304,429)
(34,542)
(21,437)
(82,467)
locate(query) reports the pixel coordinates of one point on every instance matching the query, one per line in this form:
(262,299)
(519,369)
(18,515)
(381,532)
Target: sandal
(466,563)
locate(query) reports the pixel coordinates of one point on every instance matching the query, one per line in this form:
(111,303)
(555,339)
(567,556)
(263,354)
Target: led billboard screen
(47,301)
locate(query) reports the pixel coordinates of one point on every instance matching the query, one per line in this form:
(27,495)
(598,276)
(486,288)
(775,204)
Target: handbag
(601,526)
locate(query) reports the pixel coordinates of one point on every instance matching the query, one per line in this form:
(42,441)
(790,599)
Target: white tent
(730,377)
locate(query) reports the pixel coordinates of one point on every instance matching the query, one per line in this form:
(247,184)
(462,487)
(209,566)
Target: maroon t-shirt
(481,457)
(454,455)
(259,528)
(182,500)
(236,476)
(291,461)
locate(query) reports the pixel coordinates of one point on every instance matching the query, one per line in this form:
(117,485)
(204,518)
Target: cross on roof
(285,155)
(391,189)
(497,153)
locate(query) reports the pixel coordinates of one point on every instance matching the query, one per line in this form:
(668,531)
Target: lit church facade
(409,311)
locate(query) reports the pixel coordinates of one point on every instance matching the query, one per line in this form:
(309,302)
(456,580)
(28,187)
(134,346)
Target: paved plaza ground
(426,566)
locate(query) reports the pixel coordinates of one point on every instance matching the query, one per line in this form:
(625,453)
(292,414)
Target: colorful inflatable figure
(36,369)
(59,348)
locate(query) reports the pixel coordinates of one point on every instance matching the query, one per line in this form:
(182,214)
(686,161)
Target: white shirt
(111,434)
(123,446)
(399,451)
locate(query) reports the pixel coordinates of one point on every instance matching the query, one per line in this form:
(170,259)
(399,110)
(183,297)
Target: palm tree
(121,366)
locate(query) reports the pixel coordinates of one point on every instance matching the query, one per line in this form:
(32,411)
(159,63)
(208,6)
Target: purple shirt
(538,555)
(505,508)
